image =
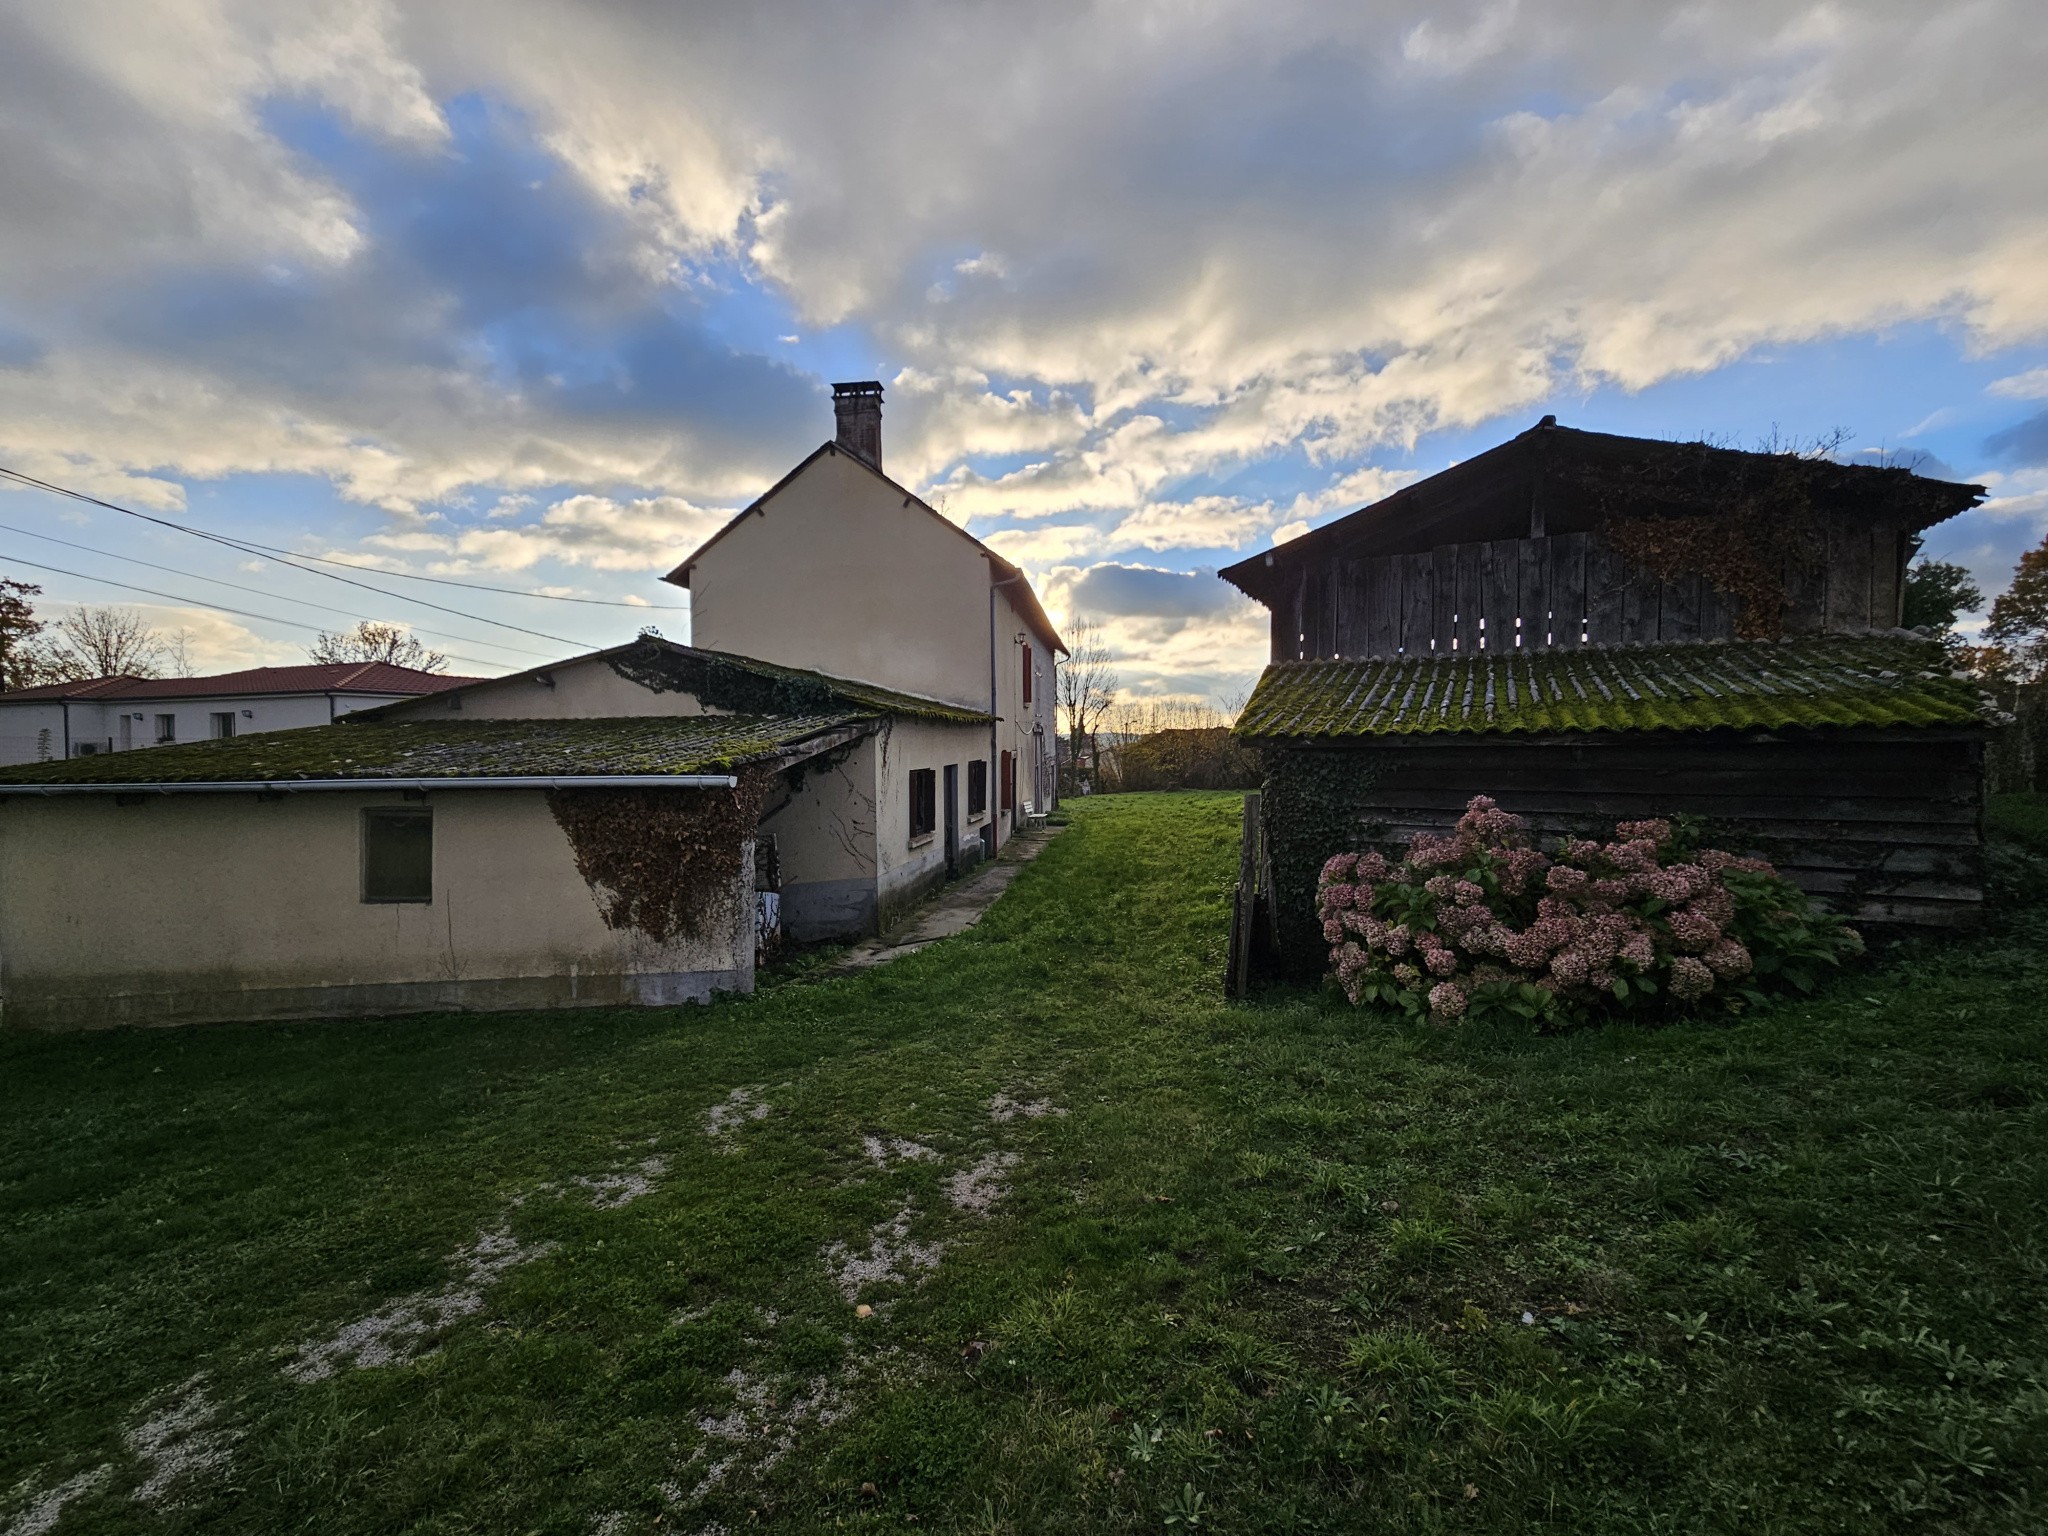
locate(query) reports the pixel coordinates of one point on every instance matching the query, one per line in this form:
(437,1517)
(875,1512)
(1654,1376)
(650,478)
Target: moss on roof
(748,685)
(1836,680)
(641,744)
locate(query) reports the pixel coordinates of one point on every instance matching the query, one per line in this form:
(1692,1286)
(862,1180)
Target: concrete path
(954,909)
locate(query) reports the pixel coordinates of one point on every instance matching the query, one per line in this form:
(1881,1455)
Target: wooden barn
(1590,628)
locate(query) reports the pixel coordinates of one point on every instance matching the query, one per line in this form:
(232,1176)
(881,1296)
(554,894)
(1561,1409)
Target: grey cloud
(1142,591)
(2025,441)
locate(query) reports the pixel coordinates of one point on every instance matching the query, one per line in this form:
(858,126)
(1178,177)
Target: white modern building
(118,714)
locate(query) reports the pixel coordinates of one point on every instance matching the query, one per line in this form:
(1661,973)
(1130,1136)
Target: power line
(219,581)
(240,613)
(249,549)
(291,558)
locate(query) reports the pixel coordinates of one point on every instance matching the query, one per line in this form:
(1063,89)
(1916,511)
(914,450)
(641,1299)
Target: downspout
(995,756)
(66,704)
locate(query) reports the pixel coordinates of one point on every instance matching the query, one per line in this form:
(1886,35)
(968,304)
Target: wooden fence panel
(1678,603)
(1445,559)
(1885,563)
(1418,594)
(1805,595)
(1848,599)
(1503,568)
(1472,564)
(1572,559)
(1532,592)
(1383,606)
(1606,589)
(1717,612)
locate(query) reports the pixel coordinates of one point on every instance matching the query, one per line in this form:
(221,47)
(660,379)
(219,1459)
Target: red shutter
(1027,671)
(1009,782)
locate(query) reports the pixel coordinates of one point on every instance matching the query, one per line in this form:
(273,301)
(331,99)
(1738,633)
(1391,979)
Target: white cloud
(2031,385)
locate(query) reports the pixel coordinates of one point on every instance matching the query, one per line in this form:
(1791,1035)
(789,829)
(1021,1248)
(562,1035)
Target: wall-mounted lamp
(247,714)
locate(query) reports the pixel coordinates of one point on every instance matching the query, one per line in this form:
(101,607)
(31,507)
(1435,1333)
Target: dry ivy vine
(661,861)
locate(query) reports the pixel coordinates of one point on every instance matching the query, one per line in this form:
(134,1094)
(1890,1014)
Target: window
(166,728)
(398,854)
(977,788)
(1027,671)
(924,801)
(223,724)
(1009,786)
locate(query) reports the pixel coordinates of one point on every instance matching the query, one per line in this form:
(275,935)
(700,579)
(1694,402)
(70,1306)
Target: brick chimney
(859,408)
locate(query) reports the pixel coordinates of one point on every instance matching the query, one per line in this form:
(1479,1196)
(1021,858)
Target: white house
(599,832)
(118,714)
(838,568)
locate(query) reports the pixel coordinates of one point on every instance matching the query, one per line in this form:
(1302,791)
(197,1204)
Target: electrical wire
(51,538)
(240,613)
(291,557)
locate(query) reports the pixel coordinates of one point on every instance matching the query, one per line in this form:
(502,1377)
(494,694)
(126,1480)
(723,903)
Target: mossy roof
(400,749)
(1835,680)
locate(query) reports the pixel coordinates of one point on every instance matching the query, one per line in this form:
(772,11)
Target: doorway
(952,821)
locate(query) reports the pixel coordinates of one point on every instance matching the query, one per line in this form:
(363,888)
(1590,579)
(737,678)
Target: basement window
(977,788)
(398,854)
(924,802)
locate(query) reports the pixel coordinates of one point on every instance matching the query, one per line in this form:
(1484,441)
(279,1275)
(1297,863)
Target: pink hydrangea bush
(1481,920)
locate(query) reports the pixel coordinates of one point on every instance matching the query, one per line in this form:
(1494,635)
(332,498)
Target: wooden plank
(1718,612)
(1472,564)
(1569,554)
(1418,604)
(1638,604)
(1503,607)
(1532,592)
(1347,626)
(1887,568)
(1806,588)
(1848,583)
(1606,594)
(1444,558)
(1285,646)
(1678,608)
(1383,606)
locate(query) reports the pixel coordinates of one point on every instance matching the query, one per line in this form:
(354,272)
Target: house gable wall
(589,688)
(840,572)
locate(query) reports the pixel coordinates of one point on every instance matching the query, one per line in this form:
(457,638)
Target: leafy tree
(19,626)
(1936,592)
(2019,615)
(372,641)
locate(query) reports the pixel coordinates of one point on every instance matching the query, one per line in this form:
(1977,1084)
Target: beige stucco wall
(581,690)
(907,868)
(838,573)
(197,907)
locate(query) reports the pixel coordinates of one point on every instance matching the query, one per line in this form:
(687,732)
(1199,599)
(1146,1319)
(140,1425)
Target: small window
(223,724)
(977,788)
(1028,670)
(166,728)
(398,854)
(924,801)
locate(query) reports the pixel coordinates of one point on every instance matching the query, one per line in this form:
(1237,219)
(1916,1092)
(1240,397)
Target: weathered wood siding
(1562,591)
(1884,825)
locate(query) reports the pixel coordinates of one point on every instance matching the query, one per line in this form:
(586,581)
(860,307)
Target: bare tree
(106,642)
(372,641)
(1087,688)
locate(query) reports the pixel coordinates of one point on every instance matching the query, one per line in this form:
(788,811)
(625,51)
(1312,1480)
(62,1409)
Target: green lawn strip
(1267,1272)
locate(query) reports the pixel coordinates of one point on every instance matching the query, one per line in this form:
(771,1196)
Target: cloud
(2025,441)
(595,532)
(2031,385)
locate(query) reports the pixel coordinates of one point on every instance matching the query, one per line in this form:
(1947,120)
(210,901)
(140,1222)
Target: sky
(533,295)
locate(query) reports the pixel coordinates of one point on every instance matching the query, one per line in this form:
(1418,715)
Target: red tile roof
(339,677)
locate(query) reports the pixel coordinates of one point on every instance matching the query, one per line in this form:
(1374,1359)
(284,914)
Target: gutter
(301,786)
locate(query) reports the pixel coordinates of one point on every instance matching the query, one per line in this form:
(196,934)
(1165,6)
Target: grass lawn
(1138,1259)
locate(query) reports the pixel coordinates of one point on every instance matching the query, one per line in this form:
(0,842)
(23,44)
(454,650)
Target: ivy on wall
(1313,804)
(662,861)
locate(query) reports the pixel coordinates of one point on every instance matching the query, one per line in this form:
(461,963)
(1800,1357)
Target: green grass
(1267,1272)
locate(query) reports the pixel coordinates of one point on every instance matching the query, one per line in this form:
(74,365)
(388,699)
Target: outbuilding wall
(192,908)
(1885,826)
